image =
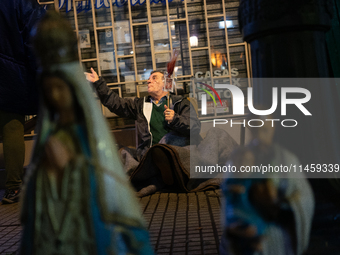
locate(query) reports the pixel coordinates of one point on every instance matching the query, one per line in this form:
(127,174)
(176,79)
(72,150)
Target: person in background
(156,123)
(18,93)
(170,139)
(154,118)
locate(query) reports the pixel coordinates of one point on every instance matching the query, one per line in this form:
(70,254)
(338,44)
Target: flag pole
(168,100)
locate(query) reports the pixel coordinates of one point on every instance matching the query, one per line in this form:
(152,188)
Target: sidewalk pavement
(189,224)
(178,223)
(10,229)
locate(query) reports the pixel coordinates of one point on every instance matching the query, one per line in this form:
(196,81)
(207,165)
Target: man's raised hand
(91,77)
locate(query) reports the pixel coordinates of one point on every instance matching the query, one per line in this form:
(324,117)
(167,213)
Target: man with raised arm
(157,124)
(154,118)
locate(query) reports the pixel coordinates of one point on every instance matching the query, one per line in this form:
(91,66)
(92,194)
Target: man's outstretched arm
(123,107)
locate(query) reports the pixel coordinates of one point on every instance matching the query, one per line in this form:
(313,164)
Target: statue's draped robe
(96,210)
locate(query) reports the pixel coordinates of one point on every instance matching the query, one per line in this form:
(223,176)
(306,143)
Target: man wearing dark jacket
(154,118)
(18,93)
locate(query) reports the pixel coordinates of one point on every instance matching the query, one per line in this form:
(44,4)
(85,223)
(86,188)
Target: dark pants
(12,132)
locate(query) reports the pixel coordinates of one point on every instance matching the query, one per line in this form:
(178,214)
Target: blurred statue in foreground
(77,199)
(267,213)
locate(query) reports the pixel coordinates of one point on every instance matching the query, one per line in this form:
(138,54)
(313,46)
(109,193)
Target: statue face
(57,94)
(155,84)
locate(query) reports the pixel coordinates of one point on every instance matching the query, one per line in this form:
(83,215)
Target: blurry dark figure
(18,93)
(265,213)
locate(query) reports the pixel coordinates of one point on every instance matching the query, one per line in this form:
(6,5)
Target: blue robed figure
(77,199)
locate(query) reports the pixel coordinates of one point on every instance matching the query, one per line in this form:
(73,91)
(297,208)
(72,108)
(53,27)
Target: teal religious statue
(265,213)
(77,199)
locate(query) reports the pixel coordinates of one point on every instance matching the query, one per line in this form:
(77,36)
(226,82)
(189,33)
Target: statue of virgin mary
(77,199)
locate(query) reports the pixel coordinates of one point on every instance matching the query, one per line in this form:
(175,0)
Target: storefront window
(125,40)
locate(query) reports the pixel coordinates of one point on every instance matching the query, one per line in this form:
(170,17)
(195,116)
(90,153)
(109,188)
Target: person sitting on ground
(171,143)
(156,124)
(154,118)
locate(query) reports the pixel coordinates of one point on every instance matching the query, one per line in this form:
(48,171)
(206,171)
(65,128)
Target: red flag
(172,63)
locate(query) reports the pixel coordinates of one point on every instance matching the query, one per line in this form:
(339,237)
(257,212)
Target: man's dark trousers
(12,132)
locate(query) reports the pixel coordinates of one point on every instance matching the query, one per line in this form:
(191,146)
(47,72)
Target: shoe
(149,190)
(155,185)
(11,196)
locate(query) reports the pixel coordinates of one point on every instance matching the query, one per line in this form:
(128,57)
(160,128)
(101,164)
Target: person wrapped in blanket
(170,139)
(157,122)
(77,199)
(270,213)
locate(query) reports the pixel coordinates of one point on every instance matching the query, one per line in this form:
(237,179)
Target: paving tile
(181,253)
(192,249)
(198,252)
(210,246)
(178,249)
